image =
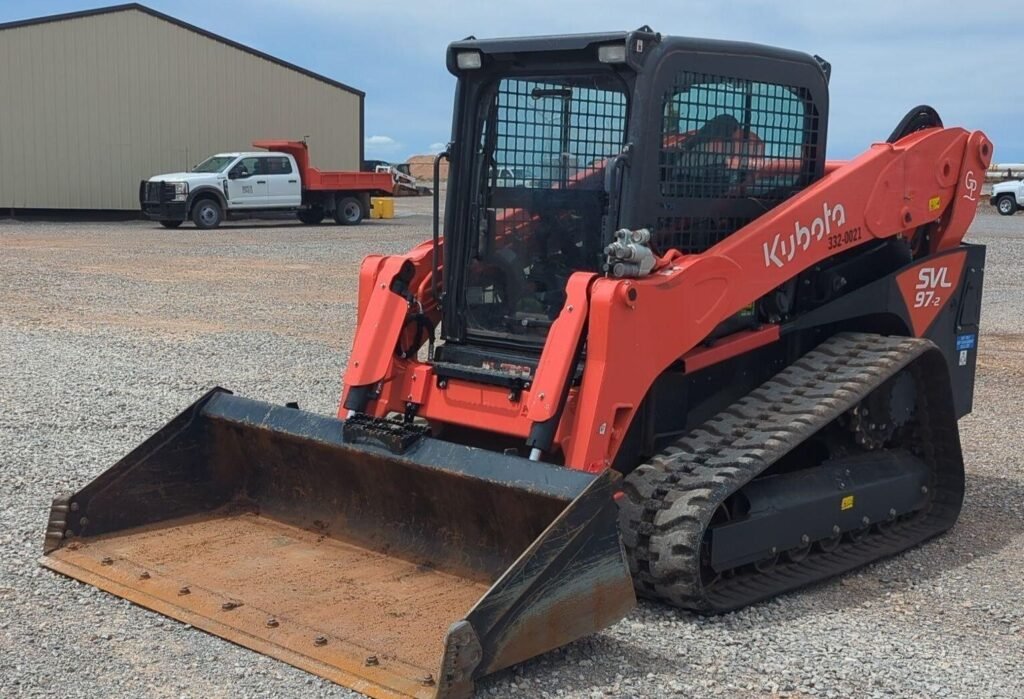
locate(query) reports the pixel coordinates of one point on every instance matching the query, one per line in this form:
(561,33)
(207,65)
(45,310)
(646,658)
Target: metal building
(92,102)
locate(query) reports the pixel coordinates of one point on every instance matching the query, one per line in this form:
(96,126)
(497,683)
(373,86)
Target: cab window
(246,167)
(276,165)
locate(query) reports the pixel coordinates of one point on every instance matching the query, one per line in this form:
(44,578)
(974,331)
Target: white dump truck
(250,184)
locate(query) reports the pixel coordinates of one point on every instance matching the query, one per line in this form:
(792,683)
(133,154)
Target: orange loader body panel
(890,190)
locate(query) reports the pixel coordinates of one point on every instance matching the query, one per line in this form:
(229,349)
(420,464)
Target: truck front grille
(152,190)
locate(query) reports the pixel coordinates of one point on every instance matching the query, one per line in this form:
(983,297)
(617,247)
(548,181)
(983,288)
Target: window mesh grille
(545,145)
(552,135)
(725,140)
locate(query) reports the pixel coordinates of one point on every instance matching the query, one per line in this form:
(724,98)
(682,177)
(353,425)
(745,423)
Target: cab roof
(639,42)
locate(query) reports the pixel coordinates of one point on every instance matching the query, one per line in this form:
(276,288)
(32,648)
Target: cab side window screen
(731,139)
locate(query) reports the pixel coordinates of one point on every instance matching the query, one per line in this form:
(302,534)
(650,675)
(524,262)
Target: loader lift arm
(926,179)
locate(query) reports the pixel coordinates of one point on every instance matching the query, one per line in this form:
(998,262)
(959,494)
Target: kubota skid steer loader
(683,355)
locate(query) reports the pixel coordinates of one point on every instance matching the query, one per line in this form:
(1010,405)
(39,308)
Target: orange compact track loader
(676,354)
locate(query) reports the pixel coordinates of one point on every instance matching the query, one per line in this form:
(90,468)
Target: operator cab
(560,141)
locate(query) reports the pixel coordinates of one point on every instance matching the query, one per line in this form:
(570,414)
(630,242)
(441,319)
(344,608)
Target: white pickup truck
(247,185)
(1007,197)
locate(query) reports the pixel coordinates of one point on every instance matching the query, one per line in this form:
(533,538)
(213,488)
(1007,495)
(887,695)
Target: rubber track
(670,500)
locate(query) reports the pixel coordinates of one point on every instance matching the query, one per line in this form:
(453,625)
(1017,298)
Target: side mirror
(232,174)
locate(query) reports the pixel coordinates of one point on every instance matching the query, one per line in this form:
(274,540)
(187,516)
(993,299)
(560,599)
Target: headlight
(180,191)
(612,53)
(468,60)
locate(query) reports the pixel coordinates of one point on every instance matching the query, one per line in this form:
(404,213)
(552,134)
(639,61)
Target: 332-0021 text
(839,240)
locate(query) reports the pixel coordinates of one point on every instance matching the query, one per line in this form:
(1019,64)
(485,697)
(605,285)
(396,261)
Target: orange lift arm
(929,178)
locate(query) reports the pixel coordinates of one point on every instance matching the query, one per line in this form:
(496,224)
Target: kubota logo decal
(784,248)
(928,286)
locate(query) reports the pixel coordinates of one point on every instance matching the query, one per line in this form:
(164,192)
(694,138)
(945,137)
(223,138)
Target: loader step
(672,501)
(396,437)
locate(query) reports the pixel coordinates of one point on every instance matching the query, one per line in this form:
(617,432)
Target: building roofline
(184,25)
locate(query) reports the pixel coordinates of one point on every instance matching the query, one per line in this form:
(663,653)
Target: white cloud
(436,147)
(382,147)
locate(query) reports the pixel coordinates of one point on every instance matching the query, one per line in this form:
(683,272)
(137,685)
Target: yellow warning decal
(847,503)
(934,203)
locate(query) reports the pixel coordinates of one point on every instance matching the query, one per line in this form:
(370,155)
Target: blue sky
(887,55)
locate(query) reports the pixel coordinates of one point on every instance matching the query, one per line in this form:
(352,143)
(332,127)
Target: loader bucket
(300,536)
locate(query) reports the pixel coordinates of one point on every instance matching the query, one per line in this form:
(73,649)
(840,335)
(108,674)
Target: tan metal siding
(89,106)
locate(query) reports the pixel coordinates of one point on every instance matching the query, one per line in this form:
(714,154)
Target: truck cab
(1007,197)
(222,185)
(264,180)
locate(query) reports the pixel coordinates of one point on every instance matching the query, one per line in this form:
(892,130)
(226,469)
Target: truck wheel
(311,217)
(1006,205)
(206,213)
(349,212)
(171,224)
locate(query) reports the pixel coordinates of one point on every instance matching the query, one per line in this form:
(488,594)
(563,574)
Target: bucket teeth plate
(363,619)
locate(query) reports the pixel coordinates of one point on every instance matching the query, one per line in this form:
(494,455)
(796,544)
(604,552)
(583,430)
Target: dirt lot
(107,330)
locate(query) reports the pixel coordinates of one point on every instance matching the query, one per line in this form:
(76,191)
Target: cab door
(283,181)
(248,186)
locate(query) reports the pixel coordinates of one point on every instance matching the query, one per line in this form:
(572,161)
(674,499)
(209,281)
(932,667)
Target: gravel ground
(107,330)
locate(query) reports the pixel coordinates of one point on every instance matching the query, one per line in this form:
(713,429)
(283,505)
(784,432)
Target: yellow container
(382,207)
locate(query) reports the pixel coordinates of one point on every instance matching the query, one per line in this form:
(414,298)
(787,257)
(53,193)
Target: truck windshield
(544,145)
(214,164)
